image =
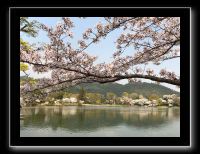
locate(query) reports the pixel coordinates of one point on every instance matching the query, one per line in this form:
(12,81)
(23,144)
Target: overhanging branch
(153,78)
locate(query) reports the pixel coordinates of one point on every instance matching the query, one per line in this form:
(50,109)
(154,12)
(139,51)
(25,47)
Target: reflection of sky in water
(100,121)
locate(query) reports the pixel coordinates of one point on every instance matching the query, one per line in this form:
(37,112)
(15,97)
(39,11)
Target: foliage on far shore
(84,98)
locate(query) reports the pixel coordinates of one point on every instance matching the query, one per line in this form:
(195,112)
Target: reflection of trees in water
(76,119)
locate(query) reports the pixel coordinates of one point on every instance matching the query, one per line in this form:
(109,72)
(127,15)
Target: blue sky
(104,49)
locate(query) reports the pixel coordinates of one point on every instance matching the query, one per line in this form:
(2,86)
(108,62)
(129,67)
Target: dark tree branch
(106,79)
(153,78)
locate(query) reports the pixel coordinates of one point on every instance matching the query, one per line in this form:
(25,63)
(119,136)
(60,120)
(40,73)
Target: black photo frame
(17,142)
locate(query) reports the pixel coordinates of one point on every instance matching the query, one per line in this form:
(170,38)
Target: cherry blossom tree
(152,39)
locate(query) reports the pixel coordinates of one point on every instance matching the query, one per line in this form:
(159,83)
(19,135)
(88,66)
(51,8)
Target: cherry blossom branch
(55,84)
(104,34)
(153,78)
(168,58)
(54,66)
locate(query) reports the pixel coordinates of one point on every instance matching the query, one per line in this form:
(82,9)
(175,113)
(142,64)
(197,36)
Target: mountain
(141,88)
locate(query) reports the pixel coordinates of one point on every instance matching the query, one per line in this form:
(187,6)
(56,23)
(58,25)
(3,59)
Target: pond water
(100,121)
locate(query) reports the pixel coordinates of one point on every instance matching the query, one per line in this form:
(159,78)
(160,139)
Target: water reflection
(78,119)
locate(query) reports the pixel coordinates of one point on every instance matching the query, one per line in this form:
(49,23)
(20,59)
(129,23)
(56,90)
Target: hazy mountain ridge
(140,88)
(143,88)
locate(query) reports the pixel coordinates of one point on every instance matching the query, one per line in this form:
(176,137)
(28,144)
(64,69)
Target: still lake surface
(100,121)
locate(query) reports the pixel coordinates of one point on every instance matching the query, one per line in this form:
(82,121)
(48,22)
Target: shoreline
(103,105)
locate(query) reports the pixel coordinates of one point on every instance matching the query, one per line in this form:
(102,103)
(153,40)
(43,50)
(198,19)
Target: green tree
(57,95)
(103,99)
(111,97)
(82,94)
(93,98)
(23,67)
(176,101)
(141,96)
(67,95)
(30,80)
(29,27)
(125,94)
(153,97)
(134,95)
